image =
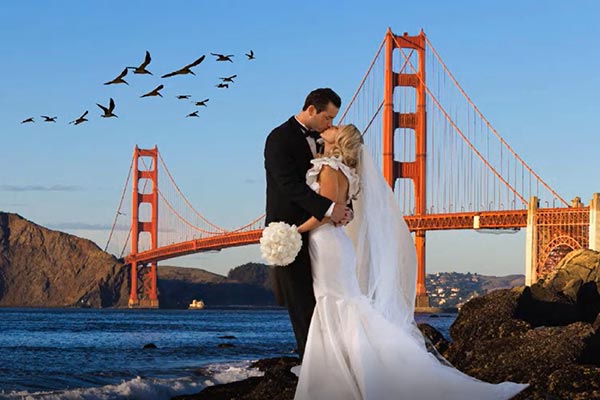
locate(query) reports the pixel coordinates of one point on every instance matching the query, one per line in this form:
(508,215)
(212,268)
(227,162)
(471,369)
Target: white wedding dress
(363,343)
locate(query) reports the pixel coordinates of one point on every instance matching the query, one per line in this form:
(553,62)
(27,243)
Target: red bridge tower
(143,293)
(414,170)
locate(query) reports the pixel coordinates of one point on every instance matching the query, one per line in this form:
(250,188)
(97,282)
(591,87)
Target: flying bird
(201,103)
(250,55)
(228,78)
(222,85)
(183,96)
(49,119)
(222,57)
(154,92)
(194,114)
(185,70)
(108,112)
(30,119)
(142,67)
(80,120)
(118,79)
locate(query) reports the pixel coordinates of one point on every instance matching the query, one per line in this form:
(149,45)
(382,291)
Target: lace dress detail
(336,163)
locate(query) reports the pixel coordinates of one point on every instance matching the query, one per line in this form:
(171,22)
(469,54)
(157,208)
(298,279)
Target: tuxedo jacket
(287,158)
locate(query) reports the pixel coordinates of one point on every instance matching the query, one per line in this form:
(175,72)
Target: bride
(363,342)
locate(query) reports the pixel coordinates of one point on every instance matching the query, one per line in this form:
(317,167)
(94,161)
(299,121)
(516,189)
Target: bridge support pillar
(594,228)
(422,299)
(416,170)
(133,284)
(143,289)
(531,242)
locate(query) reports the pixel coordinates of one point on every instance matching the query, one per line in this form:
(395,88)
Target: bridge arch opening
(556,250)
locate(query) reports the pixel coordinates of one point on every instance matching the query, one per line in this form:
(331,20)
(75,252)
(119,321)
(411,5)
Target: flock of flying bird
(107,112)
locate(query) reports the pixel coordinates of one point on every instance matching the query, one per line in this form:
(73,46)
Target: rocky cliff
(40,267)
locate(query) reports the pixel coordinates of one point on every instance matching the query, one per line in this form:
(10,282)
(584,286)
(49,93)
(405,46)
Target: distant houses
(453,289)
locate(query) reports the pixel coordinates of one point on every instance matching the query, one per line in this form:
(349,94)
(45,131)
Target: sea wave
(140,388)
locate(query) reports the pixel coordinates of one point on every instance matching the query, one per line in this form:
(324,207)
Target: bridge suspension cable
(489,125)
(123,193)
(470,167)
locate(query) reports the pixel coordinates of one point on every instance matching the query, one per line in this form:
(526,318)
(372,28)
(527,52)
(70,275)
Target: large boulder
(546,335)
(278,383)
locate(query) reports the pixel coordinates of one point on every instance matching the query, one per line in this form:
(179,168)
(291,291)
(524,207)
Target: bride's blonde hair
(347,145)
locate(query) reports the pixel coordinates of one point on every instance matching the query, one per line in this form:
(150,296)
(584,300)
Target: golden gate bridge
(449,168)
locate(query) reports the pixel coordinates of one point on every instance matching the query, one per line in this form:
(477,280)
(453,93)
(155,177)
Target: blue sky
(531,67)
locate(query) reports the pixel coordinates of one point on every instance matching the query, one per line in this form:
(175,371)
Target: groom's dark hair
(319,98)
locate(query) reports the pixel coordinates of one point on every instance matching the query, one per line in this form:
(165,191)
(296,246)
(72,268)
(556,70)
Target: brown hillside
(40,267)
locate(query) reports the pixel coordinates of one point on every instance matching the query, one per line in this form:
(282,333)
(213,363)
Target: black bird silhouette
(222,57)
(183,96)
(118,79)
(108,112)
(222,85)
(194,114)
(186,69)
(154,92)
(80,119)
(142,68)
(228,78)
(30,119)
(201,103)
(49,119)
(250,55)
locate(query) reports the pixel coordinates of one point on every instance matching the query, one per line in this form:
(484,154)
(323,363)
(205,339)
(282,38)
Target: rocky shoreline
(547,335)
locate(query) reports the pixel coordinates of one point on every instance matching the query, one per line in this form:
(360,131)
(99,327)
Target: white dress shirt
(313,148)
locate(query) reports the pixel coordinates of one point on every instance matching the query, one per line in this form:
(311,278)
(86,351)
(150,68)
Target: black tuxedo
(289,199)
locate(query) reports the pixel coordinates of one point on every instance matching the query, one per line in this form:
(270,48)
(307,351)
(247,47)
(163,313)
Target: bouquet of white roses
(280,243)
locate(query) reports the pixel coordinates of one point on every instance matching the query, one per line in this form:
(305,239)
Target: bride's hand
(348,217)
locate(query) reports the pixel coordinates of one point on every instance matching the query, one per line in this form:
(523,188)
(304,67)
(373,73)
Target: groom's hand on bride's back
(341,215)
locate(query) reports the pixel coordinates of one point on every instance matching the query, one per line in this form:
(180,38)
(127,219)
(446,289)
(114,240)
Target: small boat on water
(196,305)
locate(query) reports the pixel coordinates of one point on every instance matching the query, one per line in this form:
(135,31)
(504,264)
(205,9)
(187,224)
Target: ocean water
(99,354)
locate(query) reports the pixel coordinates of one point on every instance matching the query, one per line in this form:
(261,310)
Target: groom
(288,151)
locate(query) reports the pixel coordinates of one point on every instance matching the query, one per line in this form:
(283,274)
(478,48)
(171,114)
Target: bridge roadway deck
(431,222)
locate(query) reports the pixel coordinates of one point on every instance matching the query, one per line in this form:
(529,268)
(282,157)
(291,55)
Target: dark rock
(545,335)
(588,301)
(149,346)
(277,362)
(227,337)
(526,358)
(577,266)
(434,338)
(566,383)
(230,391)
(489,317)
(541,307)
(277,383)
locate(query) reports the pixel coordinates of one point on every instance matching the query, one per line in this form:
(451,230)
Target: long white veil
(385,251)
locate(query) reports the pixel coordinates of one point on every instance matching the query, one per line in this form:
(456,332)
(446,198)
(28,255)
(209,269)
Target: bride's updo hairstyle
(347,145)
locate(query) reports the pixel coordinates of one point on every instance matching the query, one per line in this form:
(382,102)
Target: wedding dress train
(363,343)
